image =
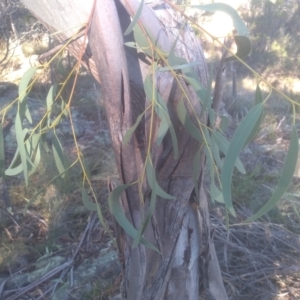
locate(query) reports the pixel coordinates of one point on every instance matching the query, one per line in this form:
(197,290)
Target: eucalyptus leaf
(187,122)
(117,210)
(26,78)
(49,102)
(86,200)
(238,23)
(150,172)
(255,130)
(239,138)
(21,146)
(58,155)
(244,47)
(223,145)
(135,19)
(14,171)
(161,110)
(196,171)
(285,178)
(132,129)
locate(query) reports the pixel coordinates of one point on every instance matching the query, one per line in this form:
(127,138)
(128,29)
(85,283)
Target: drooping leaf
(244,47)
(36,160)
(2,153)
(33,149)
(14,171)
(147,219)
(151,178)
(196,171)
(258,100)
(224,123)
(143,43)
(162,130)
(178,66)
(56,120)
(207,100)
(86,200)
(187,122)
(21,146)
(285,178)
(49,102)
(58,155)
(242,41)
(132,129)
(26,78)
(216,154)
(117,210)
(135,18)
(238,23)
(223,145)
(131,45)
(239,138)
(23,109)
(214,191)
(161,110)
(174,60)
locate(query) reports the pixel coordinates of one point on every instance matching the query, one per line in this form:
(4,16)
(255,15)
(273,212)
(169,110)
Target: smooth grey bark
(179,228)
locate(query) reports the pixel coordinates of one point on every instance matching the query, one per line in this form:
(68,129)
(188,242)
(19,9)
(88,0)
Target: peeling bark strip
(179,228)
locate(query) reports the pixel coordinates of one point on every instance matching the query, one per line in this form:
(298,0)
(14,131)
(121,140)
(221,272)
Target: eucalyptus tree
(156,93)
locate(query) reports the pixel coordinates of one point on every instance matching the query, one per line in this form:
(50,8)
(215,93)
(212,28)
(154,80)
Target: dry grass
(259,261)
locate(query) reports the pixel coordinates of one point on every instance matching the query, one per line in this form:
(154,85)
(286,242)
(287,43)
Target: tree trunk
(180,228)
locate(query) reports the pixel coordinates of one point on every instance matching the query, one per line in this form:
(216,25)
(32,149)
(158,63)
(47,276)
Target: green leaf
(187,122)
(142,42)
(2,153)
(178,67)
(150,172)
(117,210)
(239,138)
(285,178)
(255,130)
(36,161)
(14,171)
(238,23)
(135,19)
(196,171)
(161,110)
(242,41)
(49,102)
(162,130)
(244,47)
(56,120)
(207,100)
(132,129)
(216,154)
(214,191)
(131,45)
(147,219)
(33,151)
(224,123)
(23,109)
(223,145)
(86,200)
(58,155)
(15,158)
(25,81)
(20,140)
(174,60)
